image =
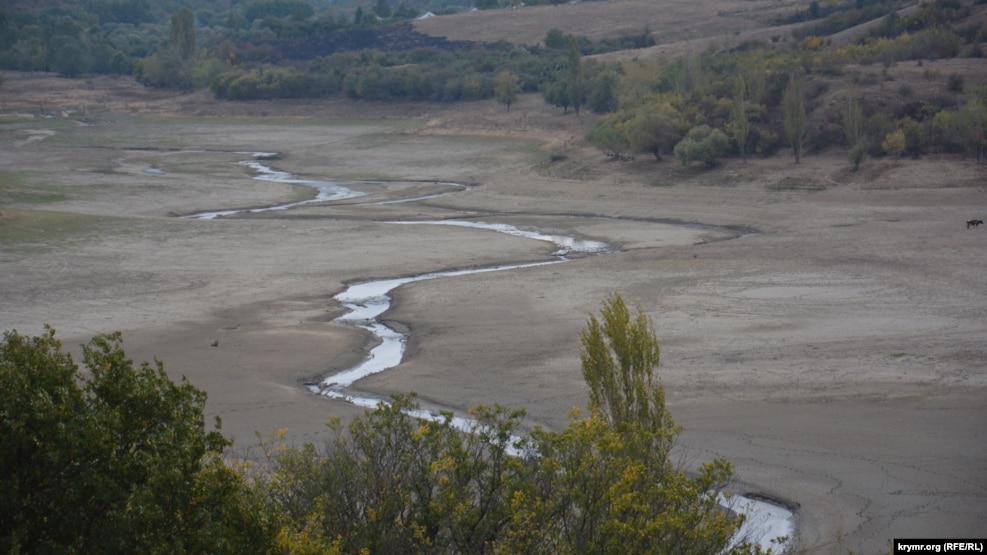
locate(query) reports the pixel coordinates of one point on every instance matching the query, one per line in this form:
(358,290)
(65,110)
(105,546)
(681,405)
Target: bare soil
(822,329)
(667,22)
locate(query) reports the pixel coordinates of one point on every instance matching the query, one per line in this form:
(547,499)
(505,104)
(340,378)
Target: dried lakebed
(367,301)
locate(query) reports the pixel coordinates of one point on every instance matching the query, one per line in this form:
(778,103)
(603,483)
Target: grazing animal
(214,343)
(974,223)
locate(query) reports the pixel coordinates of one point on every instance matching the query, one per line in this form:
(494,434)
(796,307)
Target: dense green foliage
(393,482)
(762,96)
(114,459)
(269,49)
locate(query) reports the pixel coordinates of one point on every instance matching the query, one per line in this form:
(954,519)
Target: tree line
(753,99)
(116,457)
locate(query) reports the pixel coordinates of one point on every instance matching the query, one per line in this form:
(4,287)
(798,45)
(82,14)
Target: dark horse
(974,223)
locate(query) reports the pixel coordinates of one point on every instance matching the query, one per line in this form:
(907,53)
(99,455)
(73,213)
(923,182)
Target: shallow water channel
(367,301)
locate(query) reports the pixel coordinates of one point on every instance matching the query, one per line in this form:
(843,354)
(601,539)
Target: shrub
(856,155)
(765,143)
(955,82)
(703,144)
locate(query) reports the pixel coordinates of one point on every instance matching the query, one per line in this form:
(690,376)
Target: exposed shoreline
(835,357)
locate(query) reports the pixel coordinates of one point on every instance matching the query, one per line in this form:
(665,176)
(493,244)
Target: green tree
(557,94)
(382,9)
(856,155)
(654,128)
(392,482)
(853,118)
(182,33)
(609,138)
(555,38)
(894,143)
(796,120)
(506,88)
(70,55)
(613,486)
(702,143)
(876,128)
(915,137)
(740,123)
(166,69)
(574,72)
(603,98)
(397,480)
(974,123)
(755,76)
(619,360)
(116,459)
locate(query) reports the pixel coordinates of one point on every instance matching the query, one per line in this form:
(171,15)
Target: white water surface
(327,190)
(566,244)
(367,301)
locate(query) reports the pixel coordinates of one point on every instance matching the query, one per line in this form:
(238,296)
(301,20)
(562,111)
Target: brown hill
(668,21)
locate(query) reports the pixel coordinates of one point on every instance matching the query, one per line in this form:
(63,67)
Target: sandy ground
(822,329)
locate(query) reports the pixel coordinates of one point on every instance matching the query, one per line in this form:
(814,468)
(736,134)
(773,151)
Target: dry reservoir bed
(822,330)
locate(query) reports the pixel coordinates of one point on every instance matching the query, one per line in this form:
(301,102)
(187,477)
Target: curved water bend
(327,190)
(366,302)
(567,245)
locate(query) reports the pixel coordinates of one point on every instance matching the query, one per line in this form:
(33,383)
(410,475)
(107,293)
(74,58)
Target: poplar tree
(575,75)
(853,118)
(619,361)
(182,35)
(739,120)
(795,117)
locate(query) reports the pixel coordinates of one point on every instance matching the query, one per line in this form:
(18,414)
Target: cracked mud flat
(836,356)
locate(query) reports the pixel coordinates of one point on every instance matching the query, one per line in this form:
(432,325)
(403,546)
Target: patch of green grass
(41,230)
(14,191)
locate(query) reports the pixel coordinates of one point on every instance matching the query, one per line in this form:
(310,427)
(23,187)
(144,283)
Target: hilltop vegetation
(267,49)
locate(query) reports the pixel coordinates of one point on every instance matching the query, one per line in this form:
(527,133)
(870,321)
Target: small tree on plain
(575,80)
(894,143)
(506,88)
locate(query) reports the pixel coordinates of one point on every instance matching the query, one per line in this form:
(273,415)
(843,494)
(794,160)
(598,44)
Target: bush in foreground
(116,458)
(392,482)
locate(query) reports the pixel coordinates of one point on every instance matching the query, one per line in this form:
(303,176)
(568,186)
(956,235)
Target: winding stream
(367,301)
(327,190)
